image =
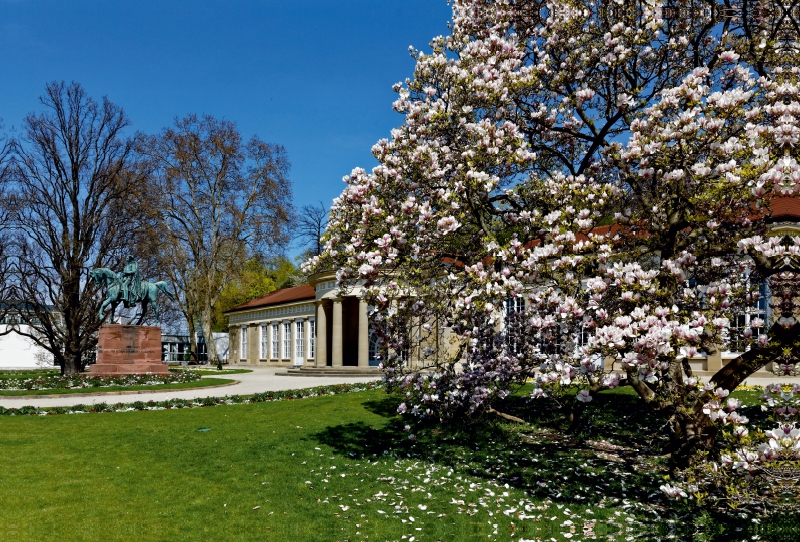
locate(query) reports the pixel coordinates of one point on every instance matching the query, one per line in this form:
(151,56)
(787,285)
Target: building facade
(306,326)
(175,348)
(312,326)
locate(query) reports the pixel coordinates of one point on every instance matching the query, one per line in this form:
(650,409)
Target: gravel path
(260,380)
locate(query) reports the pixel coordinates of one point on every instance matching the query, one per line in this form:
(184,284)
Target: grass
(333,468)
(195,369)
(327,468)
(202,383)
(7,375)
(35,373)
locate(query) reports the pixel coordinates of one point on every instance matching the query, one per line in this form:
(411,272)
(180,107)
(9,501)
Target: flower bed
(265,397)
(58,382)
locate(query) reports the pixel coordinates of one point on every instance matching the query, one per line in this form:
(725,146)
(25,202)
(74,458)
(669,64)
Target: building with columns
(304,326)
(311,326)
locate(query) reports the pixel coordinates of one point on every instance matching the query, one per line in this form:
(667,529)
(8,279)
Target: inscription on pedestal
(128,350)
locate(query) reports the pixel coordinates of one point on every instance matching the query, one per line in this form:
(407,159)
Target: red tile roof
(298,293)
(785,209)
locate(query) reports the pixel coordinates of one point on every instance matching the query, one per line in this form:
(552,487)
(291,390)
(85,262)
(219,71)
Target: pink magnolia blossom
(560,231)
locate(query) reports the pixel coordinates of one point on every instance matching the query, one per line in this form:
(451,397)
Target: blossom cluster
(578,195)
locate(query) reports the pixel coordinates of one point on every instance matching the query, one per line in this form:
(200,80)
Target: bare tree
(221,199)
(309,226)
(7,292)
(170,262)
(68,199)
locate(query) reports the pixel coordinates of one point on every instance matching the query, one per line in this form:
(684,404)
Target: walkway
(260,380)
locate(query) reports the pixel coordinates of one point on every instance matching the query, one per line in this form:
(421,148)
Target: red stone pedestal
(125,350)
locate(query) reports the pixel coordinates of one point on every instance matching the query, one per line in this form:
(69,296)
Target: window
(244,342)
(515,307)
(202,349)
(312,333)
(584,335)
(515,304)
(299,339)
(287,340)
(275,340)
(263,341)
(374,349)
(740,323)
(170,351)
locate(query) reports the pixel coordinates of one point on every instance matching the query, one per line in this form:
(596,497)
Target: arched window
(374,349)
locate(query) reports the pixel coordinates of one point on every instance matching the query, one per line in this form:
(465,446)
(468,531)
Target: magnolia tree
(581,192)
(754,468)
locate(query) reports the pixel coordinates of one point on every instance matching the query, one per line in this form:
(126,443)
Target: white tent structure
(18,352)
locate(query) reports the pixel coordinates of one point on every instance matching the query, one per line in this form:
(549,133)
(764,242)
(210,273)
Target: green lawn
(202,383)
(327,468)
(337,467)
(211,371)
(28,374)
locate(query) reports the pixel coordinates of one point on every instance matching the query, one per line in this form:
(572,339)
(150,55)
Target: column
(714,361)
(235,342)
(336,341)
(292,342)
(253,338)
(268,353)
(321,353)
(306,339)
(363,334)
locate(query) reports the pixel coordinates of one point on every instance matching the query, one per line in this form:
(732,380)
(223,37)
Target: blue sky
(314,76)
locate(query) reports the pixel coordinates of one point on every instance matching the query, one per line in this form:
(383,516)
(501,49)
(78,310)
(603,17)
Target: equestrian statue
(128,288)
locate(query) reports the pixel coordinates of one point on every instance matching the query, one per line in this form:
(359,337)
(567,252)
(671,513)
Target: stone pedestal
(125,350)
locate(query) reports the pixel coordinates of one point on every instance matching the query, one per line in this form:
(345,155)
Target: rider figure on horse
(131,282)
(127,287)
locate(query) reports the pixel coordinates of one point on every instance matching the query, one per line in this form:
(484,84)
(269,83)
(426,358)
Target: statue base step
(125,350)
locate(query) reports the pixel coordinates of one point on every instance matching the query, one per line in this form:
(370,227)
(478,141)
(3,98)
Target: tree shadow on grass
(386,407)
(611,459)
(614,458)
(359,440)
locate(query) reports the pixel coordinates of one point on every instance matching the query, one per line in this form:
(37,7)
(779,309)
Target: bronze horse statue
(110,281)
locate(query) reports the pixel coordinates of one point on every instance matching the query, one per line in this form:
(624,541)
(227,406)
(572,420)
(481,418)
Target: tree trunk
(690,430)
(71,363)
(575,415)
(205,321)
(690,433)
(62,363)
(194,354)
(738,369)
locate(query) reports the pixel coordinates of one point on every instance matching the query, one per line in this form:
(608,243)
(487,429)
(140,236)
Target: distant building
(18,351)
(312,326)
(278,328)
(175,347)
